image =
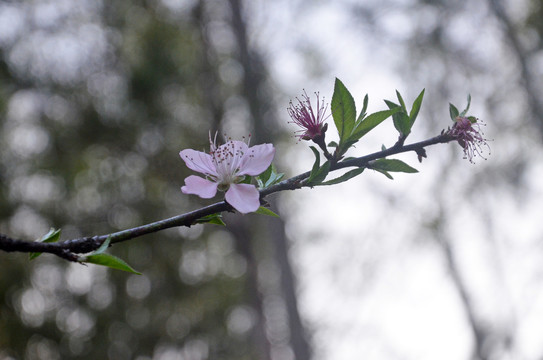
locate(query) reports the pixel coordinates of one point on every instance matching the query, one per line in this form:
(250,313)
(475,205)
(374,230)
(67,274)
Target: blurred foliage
(96,101)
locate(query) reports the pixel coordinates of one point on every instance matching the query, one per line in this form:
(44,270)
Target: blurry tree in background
(97,100)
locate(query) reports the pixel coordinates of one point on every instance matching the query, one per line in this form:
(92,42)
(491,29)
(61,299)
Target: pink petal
(198,161)
(257,159)
(196,185)
(243,197)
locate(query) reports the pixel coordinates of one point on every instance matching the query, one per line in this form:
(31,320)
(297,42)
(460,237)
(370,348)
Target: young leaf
(343,110)
(318,176)
(453,112)
(215,219)
(465,111)
(265,211)
(364,108)
(262,178)
(370,122)
(394,165)
(347,176)
(317,162)
(274,179)
(102,247)
(400,99)
(400,119)
(109,261)
(416,108)
(384,173)
(51,237)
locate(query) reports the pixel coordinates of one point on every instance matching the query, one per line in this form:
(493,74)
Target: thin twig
(69,248)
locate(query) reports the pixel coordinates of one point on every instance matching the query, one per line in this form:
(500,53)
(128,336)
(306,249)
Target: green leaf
(347,176)
(384,173)
(262,178)
(318,173)
(453,112)
(364,108)
(370,122)
(316,164)
(393,165)
(416,108)
(269,177)
(400,99)
(215,219)
(51,237)
(265,211)
(343,110)
(247,179)
(400,119)
(332,144)
(465,111)
(102,247)
(109,261)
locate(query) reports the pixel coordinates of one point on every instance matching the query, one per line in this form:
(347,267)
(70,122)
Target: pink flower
(302,114)
(467,131)
(225,168)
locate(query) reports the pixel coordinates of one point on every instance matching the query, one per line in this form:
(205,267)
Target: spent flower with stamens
(467,131)
(311,122)
(225,168)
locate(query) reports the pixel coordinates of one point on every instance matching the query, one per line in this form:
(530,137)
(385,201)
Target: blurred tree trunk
(272,230)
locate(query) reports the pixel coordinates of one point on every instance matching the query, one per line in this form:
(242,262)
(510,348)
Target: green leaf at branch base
(215,219)
(265,211)
(347,176)
(385,166)
(318,173)
(109,261)
(51,237)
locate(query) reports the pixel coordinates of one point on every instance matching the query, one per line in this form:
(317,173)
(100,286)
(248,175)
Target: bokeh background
(98,97)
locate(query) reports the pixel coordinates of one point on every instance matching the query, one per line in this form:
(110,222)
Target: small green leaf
(317,177)
(265,211)
(343,110)
(453,112)
(102,247)
(347,176)
(400,99)
(269,177)
(109,261)
(332,144)
(51,237)
(384,173)
(247,179)
(364,109)
(215,219)
(400,119)
(465,111)
(416,108)
(394,165)
(317,162)
(370,122)
(262,178)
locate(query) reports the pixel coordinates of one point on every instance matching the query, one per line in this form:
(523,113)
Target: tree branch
(69,248)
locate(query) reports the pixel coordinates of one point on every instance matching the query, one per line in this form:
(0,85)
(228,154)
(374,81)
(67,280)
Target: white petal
(243,197)
(257,159)
(198,161)
(196,185)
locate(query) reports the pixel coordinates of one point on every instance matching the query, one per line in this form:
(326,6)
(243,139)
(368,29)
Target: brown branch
(69,248)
